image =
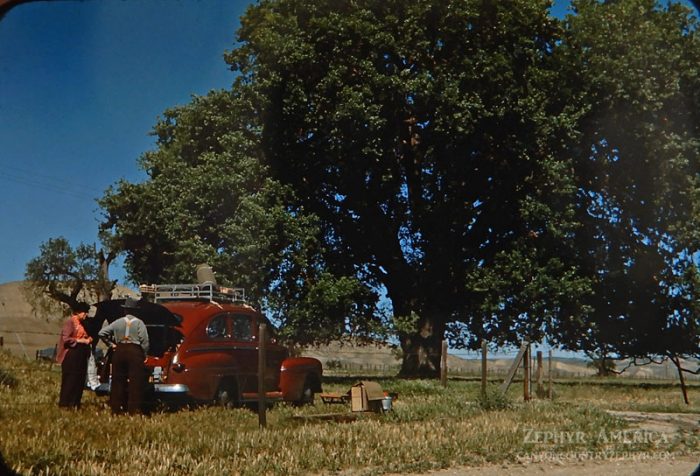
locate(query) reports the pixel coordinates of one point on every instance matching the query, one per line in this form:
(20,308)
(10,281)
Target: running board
(269,396)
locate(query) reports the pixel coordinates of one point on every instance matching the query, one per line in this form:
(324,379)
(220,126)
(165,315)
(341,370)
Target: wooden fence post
(21,344)
(262,404)
(484,368)
(514,367)
(526,374)
(540,387)
(443,364)
(549,376)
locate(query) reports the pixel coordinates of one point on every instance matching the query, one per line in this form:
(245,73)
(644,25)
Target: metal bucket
(386,404)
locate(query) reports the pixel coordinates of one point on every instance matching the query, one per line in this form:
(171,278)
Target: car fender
(294,373)
(203,370)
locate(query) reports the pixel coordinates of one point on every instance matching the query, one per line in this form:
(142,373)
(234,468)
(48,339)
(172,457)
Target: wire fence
(498,369)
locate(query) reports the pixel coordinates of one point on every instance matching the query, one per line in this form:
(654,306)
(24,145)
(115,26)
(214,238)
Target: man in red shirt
(72,353)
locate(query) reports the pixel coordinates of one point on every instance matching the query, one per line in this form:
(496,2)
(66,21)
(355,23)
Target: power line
(43,186)
(53,184)
(50,178)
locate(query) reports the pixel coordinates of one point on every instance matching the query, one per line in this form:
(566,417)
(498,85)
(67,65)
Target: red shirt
(70,333)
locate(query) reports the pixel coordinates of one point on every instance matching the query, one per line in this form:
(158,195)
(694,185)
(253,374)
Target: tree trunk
(677,362)
(422,347)
(422,350)
(105,286)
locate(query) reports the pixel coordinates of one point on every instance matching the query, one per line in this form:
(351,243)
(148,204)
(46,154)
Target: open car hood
(161,324)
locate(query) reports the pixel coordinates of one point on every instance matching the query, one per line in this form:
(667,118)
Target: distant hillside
(383,358)
(22,332)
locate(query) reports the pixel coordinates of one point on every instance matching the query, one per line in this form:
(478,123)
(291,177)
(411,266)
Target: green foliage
(630,69)
(404,325)
(206,193)
(427,138)
(325,309)
(210,199)
(493,399)
(494,172)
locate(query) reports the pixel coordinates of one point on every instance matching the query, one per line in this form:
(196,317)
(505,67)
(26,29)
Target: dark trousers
(128,379)
(73,373)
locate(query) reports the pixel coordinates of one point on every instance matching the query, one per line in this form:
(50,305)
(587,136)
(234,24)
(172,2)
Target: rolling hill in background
(21,330)
(382,358)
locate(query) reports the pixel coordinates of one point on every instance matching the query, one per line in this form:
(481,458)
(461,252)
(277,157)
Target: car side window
(242,331)
(217,328)
(270,337)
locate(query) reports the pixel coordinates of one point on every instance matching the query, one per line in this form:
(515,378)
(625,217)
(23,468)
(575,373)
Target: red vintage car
(204,345)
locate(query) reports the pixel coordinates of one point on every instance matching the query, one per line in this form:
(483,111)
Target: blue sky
(81,85)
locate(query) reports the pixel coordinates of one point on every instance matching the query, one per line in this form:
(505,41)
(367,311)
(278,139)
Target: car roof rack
(192,292)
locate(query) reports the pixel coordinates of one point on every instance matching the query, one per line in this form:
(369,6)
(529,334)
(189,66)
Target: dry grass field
(592,426)
(429,428)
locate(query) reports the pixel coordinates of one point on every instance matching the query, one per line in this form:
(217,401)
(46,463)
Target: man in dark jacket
(128,338)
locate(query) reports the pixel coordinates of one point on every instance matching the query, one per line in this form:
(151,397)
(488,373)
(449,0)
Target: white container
(386,404)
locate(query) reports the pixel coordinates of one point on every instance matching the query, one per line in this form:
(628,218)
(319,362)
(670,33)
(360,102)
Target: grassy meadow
(430,427)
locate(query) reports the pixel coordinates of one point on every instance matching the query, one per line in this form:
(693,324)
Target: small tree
(602,363)
(66,275)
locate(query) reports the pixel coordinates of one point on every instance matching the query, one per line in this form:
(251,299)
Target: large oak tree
(424,136)
(494,172)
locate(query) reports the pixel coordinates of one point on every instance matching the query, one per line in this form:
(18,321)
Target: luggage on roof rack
(190,292)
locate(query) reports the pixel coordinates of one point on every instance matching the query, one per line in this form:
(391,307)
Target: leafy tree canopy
(632,72)
(209,199)
(494,172)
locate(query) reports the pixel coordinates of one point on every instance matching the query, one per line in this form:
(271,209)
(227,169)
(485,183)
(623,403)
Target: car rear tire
(307,393)
(227,395)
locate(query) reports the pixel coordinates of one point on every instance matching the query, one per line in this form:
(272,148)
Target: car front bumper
(158,389)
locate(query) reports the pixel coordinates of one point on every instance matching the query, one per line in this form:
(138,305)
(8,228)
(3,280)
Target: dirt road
(682,466)
(641,464)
